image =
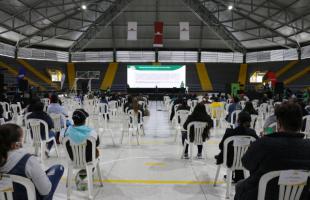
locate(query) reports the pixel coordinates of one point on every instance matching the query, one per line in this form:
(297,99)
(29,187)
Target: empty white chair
(234,118)
(113,107)
(46,102)
(181,117)
(38,142)
(287,190)
(198,140)
(79,162)
(133,126)
(6,109)
(217,115)
(103,110)
(240,145)
(25,182)
(306,131)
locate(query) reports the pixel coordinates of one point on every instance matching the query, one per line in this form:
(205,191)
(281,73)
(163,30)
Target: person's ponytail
(9,134)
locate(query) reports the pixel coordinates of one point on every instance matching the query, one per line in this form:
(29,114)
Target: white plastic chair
(307,126)
(253,121)
(286,191)
(103,112)
(217,115)
(198,130)
(46,102)
(234,118)
(79,162)
(35,127)
(241,145)
(133,126)
(2,121)
(113,107)
(58,120)
(6,109)
(25,182)
(181,117)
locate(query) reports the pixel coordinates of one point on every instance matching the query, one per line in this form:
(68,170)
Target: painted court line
(157,182)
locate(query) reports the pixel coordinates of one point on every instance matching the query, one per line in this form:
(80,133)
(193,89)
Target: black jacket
(238,131)
(193,118)
(278,151)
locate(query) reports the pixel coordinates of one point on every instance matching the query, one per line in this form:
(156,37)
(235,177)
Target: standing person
(38,113)
(15,160)
(243,129)
(198,115)
(283,150)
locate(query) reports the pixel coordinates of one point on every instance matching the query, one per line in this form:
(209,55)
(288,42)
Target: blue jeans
(54,173)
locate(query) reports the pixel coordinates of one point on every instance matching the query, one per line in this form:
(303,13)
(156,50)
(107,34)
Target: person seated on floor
(198,115)
(38,113)
(283,150)
(56,108)
(15,160)
(78,134)
(243,129)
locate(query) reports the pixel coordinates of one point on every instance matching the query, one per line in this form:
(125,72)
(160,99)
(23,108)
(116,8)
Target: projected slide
(150,76)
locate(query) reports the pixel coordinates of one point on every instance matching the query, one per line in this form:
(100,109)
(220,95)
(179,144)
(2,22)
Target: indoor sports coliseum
(155,99)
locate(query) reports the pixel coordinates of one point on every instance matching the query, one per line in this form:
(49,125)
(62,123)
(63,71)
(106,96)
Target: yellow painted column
(109,76)
(242,74)
(286,68)
(37,73)
(203,76)
(297,76)
(71,74)
(15,72)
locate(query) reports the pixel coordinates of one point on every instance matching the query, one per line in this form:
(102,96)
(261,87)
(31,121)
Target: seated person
(79,133)
(243,128)
(198,115)
(16,161)
(283,150)
(183,105)
(271,119)
(232,107)
(56,108)
(38,113)
(249,108)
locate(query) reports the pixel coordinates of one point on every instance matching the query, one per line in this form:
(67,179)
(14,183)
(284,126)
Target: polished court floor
(152,170)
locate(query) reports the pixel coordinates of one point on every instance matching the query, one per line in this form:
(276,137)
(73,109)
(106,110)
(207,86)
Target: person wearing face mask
(16,161)
(285,149)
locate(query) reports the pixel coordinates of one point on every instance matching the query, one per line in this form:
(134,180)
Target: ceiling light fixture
(230,7)
(84,7)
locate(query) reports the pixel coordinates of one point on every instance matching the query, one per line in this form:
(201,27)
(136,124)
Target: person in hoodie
(79,133)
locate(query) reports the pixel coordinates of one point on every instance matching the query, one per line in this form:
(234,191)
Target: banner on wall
(158,34)
(184,30)
(132,31)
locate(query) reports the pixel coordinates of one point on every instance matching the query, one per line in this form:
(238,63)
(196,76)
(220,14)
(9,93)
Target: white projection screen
(151,76)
